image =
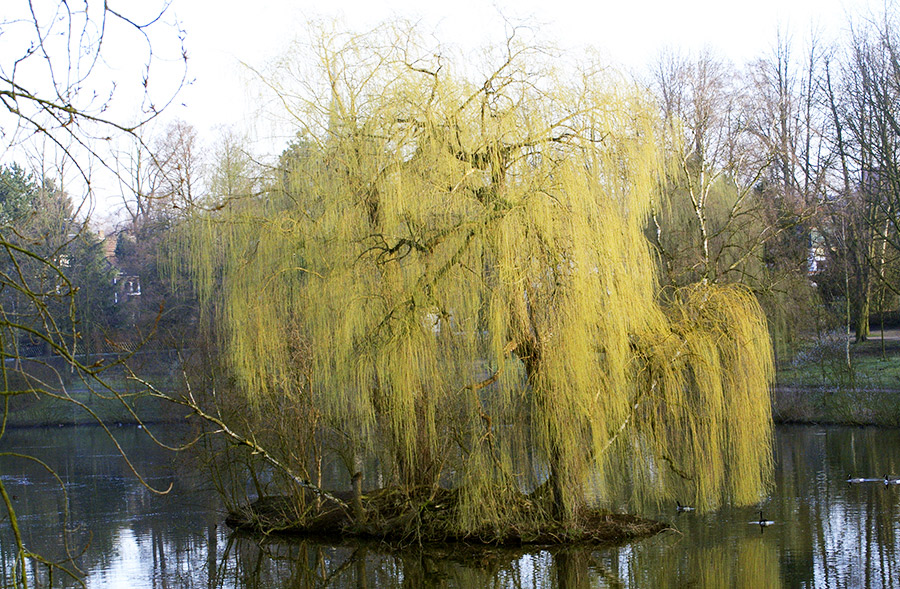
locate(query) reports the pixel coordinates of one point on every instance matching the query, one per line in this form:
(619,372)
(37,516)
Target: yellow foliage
(467,263)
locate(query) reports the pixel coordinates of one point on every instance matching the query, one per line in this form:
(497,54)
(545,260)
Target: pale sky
(223,33)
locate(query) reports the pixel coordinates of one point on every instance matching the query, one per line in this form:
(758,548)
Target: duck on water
(679,508)
(885,480)
(762,522)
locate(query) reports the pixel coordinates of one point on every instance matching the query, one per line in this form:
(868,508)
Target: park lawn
(818,385)
(75,403)
(873,365)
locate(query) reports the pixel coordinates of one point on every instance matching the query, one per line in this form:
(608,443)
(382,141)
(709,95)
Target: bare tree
(862,90)
(58,93)
(788,124)
(712,227)
(178,165)
(57,81)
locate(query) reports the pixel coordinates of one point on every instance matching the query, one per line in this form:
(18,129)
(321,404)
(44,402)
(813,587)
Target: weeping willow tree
(451,272)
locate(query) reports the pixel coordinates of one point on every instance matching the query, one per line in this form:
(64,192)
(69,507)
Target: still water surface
(827,533)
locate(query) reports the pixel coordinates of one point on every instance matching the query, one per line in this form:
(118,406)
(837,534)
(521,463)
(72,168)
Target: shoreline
(806,404)
(836,406)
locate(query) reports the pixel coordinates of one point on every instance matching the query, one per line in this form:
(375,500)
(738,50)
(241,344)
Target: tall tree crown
(455,273)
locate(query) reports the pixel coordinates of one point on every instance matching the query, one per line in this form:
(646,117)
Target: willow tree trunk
(359,513)
(530,353)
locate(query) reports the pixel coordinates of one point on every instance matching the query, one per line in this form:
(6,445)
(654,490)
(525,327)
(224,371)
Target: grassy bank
(836,406)
(829,382)
(66,400)
(816,385)
(84,407)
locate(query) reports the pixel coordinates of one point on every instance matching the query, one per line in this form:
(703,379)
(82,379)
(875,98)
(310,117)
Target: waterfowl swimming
(762,522)
(682,508)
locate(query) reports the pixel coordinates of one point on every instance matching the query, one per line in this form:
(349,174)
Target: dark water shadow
(255,562)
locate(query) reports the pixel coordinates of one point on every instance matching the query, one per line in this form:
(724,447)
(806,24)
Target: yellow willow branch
(474,387)
(627,420)
(14,524)
(637,402)
(240,440)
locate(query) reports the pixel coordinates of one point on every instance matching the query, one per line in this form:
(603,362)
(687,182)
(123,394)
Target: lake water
(827,533)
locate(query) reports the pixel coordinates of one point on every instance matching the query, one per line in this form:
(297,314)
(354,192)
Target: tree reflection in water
(827,533)
(311,563)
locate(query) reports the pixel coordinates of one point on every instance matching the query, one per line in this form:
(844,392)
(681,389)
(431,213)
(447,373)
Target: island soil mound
(428,515)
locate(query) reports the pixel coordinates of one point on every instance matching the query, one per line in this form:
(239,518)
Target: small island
(428,516)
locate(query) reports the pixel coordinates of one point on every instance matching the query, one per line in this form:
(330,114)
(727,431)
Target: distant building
(818,253)
(127,286)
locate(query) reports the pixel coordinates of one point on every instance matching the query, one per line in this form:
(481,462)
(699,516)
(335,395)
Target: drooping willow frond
(455,274)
